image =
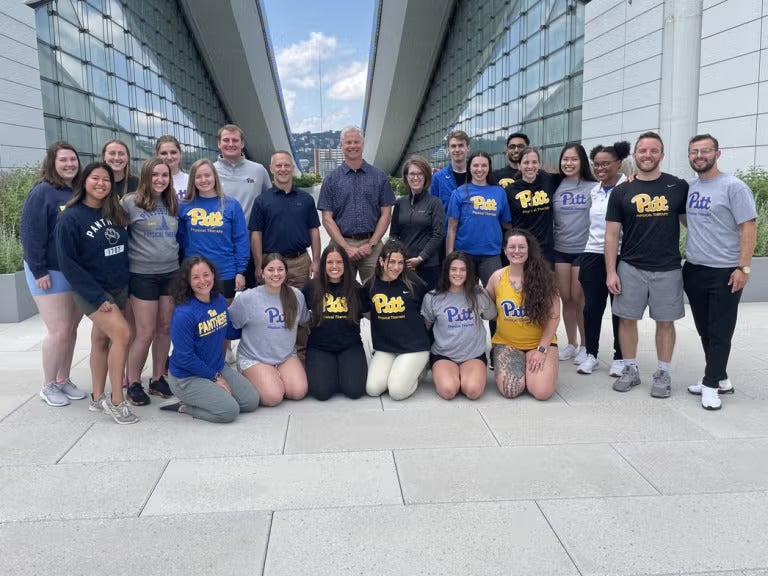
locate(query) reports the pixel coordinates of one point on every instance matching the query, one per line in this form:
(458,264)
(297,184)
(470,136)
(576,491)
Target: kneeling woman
(400,341)
(205,386)
(335,356)
(455,312)
(269,316)
(528,306)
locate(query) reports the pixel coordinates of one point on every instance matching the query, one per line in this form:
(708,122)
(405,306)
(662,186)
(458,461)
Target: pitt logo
(699,202)
(386,305)
(456,314)
(571,199)
(480,203)
(215,322)
(200,217)
(512,310)
(331,304)
(112,235)
(528,198)
(645,203)
(275,316)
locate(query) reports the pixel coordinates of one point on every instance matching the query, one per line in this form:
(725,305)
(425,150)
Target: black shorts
(118,296)
(227,288)
(435,357)
(150,286)
(566,258)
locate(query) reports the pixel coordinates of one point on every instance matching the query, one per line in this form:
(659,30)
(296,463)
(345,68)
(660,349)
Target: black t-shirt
(649,213)
(396,322)
(531,208)
(124,186)
(335,333)
(505,176)
(459,177)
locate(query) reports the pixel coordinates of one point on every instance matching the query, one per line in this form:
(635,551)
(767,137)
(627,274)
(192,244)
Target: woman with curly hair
(455,311)
(205,387)
(528,306)
(400,340)
(336,359)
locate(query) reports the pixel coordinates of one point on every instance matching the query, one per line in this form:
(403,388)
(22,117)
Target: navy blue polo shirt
(284,220)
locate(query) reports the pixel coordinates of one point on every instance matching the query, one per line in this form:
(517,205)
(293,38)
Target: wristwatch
(746,269)
(542,349)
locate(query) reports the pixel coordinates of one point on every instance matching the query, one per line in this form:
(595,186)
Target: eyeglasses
(515,146)
(603,164)
(415,175)
(701,152)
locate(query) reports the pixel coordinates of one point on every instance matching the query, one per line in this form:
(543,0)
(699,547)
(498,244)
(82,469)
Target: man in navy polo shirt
(284,220)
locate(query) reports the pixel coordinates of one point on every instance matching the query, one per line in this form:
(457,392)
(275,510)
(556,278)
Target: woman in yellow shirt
(528,305)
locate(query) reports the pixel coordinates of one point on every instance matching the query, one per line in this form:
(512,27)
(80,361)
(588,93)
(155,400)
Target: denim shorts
(59,284)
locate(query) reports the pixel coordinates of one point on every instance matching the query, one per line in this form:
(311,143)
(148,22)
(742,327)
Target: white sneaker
(617,367)
(589,365)
(568,352)
(581,355)
(710,399)
(725,387)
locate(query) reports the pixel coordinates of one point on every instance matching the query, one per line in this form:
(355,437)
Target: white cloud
(289,99)
(297,64)
(348,82)
(332,121)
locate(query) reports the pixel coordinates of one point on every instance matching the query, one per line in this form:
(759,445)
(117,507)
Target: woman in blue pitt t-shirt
(476,213)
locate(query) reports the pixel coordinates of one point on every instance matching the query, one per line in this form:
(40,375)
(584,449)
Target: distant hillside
(306,142)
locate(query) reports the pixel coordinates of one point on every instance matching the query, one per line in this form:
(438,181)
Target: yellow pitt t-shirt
(513,328)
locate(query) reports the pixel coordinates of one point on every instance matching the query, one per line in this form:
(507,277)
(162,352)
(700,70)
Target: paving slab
(181,437)
(276,482)
(701,466)
(740,417)
(37,443)
(11,403)
(70,491)
(489,539)
(516,473)
(336,405)
(662,534)
(199,545)
(517,424)
(386,430)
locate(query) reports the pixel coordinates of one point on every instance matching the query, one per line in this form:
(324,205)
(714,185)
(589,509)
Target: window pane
(76,105)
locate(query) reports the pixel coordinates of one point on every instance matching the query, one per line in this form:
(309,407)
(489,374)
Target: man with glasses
(516,143)
(722,230)
(648,211)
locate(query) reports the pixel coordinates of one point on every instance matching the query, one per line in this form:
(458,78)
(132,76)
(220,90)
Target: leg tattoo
(510,370)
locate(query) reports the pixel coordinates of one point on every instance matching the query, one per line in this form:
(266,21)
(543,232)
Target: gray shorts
(661,291)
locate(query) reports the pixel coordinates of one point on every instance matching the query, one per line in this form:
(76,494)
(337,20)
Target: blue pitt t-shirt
(480,211)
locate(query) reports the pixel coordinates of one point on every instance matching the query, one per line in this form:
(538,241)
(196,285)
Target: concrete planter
(756,289)
(16,303)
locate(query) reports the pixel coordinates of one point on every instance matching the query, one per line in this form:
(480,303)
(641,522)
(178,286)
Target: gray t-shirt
(571,204)
(459,335)
(152,246)
(265,338)
(716,206)
(243,181)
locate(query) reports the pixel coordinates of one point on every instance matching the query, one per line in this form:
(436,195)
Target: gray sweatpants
(206,400)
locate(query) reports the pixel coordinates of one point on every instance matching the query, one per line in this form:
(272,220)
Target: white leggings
(398,373)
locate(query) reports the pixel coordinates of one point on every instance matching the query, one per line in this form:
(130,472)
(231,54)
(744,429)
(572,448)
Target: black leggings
(592,276)
(331,372)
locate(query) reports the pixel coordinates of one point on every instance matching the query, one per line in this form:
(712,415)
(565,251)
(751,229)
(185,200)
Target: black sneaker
(160,387)
(136,395)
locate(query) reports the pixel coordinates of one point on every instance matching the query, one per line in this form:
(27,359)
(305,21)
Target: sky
(321,45)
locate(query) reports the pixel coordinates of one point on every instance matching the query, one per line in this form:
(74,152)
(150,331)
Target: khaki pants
(367,266)
(298,276)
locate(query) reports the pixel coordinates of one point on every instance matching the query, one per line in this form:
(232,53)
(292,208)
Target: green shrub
(15,184)
(307,180)
(757,179)
(398,186)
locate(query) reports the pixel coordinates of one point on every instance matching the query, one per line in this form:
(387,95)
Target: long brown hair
(409,278)
(110,206)
(471,287)
(144,197)
(349,287)
(181,289)
(287,298)
(48,167)
(539,285)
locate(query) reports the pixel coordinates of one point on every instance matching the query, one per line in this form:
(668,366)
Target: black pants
(592,276)
(332,372)
(714,310)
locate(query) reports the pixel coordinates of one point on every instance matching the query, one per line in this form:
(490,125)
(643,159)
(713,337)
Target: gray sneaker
(629,379)
(95,405)
(662,384)
(52,395)
(121,413)
(71,391)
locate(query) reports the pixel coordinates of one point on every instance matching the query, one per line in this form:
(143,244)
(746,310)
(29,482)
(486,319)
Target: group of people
(189,262)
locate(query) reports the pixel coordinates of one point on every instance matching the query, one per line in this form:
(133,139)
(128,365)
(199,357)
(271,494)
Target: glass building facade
(127,70)
(506,66)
